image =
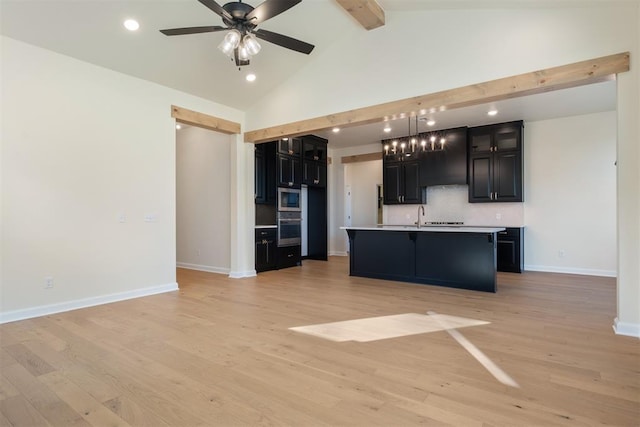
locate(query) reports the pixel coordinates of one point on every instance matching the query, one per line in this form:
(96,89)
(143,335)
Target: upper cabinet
(289,171)
(290,146)
(314,148)
(443,159)
(401,183)
(314,161)
(265,173)
(430,158)
(495,163)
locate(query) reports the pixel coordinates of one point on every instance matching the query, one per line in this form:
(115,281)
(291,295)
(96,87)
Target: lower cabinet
(510,250)
(289,256)
(266,249)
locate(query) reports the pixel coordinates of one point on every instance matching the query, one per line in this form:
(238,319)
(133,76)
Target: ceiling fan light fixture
(243,53)
(230,42)
(251,44)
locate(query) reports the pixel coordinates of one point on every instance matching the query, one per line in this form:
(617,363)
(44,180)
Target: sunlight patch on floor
(384,327)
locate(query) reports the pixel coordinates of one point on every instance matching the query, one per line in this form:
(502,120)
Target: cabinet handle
(290,184)
(290,256)
(290,151)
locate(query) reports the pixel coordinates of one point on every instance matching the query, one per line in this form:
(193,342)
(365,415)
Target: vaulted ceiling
(93,31)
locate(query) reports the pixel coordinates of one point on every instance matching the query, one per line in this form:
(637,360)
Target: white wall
(337,180)
(364,177)
(481,45)
(570,187)
(82,145)
(202,193)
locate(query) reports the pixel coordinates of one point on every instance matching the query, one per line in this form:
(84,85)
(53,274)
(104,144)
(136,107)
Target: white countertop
(432,228)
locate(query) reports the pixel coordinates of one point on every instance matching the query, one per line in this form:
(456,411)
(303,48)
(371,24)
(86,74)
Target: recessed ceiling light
(336,130)
(131,24)
(492,112)
(431,122)
(178,127)
(251,77)
(387,128)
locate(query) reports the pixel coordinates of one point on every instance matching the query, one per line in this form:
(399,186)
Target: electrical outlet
(151,217)
(498,216)
(48,282)
(561,253)
(122,217)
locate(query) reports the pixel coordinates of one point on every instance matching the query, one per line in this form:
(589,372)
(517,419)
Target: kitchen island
(457,257)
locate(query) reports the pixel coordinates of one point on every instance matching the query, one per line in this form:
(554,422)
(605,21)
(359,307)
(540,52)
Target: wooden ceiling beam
(550,79)
(206,121)
(367,12)
(361,158)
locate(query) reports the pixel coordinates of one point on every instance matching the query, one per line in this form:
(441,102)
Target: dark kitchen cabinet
(445,163)
(314,173)
(510,250)
(290,146)
(289,171)
(314,148)
(317,219)
(314,161)
(495,163)
(265,174)
(401,183)
(266,249)
(289,256)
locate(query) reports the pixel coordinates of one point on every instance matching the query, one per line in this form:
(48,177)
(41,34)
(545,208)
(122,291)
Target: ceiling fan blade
(269,9)
(216,8)
(191,30)
(284,41)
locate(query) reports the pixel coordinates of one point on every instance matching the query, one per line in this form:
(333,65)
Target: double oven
(289,217)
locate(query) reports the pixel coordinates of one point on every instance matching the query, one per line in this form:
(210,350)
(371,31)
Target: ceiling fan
(241,20)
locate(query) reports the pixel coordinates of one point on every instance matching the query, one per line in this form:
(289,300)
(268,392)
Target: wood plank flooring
(218,352)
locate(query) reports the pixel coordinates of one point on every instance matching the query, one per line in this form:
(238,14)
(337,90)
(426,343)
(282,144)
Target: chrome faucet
(420,208)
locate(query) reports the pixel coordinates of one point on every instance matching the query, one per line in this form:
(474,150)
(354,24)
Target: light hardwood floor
(219,352)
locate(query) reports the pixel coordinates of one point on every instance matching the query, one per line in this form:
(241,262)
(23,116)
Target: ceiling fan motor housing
(238,10)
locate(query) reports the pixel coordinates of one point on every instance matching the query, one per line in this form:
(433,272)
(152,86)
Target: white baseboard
(625,328)
(198,267)
(242,274)
(338,253)
(569,270)
(44,310)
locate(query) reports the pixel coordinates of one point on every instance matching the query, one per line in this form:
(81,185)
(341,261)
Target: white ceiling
(92,31)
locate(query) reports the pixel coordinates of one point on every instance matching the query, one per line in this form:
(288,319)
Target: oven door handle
(290,220)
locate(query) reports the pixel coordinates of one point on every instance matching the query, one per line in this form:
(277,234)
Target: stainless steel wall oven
(289,228)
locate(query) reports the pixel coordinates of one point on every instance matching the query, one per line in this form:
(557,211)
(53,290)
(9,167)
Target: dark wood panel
(459,260)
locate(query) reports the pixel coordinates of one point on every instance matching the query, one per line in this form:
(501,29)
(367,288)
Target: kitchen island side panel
(379,255)
(458,260)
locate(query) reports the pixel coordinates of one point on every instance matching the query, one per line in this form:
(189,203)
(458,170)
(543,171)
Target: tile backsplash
(450,203)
